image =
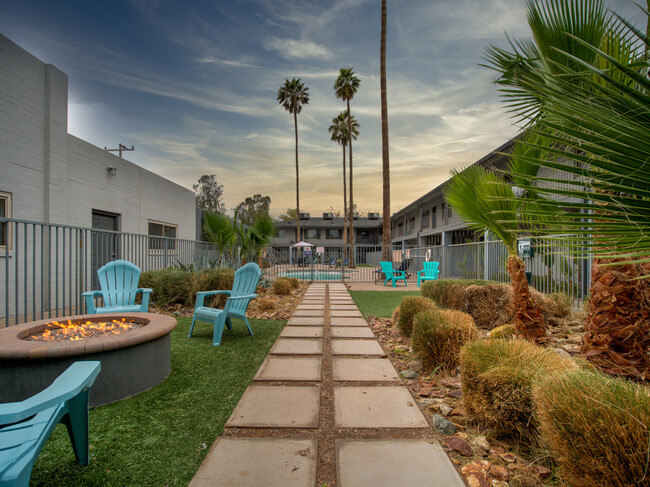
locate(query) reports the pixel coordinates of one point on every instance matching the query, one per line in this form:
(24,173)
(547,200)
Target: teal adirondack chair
(119,283)
(429,273)
(26,426)
(391,275)
(243,291)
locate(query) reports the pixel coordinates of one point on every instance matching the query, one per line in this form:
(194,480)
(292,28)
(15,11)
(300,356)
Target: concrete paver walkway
(321,387)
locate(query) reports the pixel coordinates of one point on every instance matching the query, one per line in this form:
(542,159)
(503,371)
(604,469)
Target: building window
(400,229)
(334,234)
(157,231)
(310,233)
(425,219)
(279,232)
(433,217)
(411,225)
(5,228)
(363,234)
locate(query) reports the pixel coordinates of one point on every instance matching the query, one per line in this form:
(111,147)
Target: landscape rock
(451,382)
(508,457)
(415,365)
(499,472)
(458,444)
(428,402)
(439,394)
(475,475)
(482,443)
(409,374)
(562,352)
(457,393)
(523,481)
(444,425)
(499,483)
(445,410)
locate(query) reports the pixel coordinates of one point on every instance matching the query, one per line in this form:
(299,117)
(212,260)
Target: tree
(583,88)
(209,194)
(252,208)
(219,229)
(385,166)
(340,133)
(292,96)
(290,214)
(345,87)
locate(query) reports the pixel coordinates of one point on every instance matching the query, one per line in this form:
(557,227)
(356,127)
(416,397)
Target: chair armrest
(92,293)
(77,377)
(397,273)
(421,273)
(144,290)
(90,301)
(146,293)
(246,296)
(201,295)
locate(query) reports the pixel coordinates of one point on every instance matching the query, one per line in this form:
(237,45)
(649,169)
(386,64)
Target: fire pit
(132,361)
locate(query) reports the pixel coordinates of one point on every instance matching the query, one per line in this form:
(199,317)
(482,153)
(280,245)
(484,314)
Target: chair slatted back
(387,268)
(430,268)
(119,282)
(246,279)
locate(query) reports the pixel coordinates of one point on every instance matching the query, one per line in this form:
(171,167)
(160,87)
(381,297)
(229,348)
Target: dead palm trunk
(528,319)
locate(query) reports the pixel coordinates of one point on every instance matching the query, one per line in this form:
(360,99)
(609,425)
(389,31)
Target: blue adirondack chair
(243,290)
(119,283)
(391,275)
(26,426)
(429,273)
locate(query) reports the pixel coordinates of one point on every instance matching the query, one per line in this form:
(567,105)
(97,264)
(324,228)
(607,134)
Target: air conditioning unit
(373,216)
(328,216)
(355,215)
(304,216)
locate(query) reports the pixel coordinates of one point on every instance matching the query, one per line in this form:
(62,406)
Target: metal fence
(44,268)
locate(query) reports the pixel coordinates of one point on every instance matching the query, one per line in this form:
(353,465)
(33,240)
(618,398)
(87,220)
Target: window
(279,232)
(433,217)
(425,219)
(5,212)
(363,234)
(411,225)
(310,233)
(157,230)
(334,234)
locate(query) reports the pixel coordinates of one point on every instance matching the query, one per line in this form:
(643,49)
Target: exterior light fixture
(112,171)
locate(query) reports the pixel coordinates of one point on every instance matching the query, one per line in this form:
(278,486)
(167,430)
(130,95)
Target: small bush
(177,286)
(439,334)
(212,280)
(497,378)
(446,293)
(503,332)
(409,307)
(596,428)
(295,283)
(395,317)
(489,304)
(282,287)
(563,304)
(265,304)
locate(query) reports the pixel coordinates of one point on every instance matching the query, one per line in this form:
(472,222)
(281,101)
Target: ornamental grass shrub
(282,287)
(497,378)
(409,307)
(489,304)
(446,293)
(174,286)
(265,304)
(395,316)
(503,332)
(295,283)
(439,334)
(597,428)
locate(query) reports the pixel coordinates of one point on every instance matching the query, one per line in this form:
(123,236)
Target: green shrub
(489,304)
(282,287)
(439,334)
(446,293)
(497,378)
(409,307)
(503,332)
(170,286)
(596,427)
(563,304)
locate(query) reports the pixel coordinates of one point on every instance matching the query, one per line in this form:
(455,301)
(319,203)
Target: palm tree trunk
(295,121)
(528,319)
(351,225)
(345,205)
(385,167)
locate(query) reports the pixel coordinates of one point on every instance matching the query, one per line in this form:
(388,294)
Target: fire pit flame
(79,331)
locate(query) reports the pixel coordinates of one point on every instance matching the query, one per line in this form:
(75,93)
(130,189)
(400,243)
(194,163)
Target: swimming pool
(315,275)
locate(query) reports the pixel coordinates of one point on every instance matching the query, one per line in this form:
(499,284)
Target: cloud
(225,62)
(290,48)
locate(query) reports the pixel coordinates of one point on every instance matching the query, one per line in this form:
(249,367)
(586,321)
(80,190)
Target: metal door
(105,245)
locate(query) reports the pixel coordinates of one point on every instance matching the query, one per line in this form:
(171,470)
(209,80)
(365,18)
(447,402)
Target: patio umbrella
(302,244)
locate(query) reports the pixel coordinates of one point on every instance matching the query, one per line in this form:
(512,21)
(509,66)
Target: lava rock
(458,444)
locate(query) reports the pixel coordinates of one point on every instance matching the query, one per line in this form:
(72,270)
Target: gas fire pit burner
(81,330)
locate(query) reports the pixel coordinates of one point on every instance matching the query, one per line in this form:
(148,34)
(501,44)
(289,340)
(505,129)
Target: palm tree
(339,133)
(584,89)
(486,202)
(345,87)
(292,96)
(219,229)
(385,167)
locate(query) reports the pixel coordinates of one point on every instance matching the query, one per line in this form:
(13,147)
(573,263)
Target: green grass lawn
(379,303)
(161,436)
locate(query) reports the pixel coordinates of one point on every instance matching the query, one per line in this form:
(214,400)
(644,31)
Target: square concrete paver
(308,312)
(338,321)
(289,368)
(277,407)
(272,462)
(297,346)
(306,321)
(363,369)
(345,314)
(376,407)
(302,332)
(403,462)
(342,346)
(311,306)
(351,332)
(343,307)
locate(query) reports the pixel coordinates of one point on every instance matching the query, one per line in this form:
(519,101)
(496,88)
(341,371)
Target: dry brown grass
(265,304)
(597,428)
(446,293)
(490,304)
(295,283)
(409,307)
(503,332)
(439,334)
(395,316)
(497,379)
(282,287)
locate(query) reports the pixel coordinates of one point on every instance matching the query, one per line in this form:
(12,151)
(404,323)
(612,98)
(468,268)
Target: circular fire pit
(132,362)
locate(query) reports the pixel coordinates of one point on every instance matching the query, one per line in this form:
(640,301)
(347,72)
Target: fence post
(486,256)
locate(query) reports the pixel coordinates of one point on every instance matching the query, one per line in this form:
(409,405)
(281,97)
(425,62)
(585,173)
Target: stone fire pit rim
(13,347)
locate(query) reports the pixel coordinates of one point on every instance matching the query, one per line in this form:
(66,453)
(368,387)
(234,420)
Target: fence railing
(44,268)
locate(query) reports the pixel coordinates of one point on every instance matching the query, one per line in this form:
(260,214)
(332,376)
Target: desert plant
(295,283)
(489,304)
(596,427)
(503,332)
(497,378)
(446,293)
(282,287)
(409,307)
(265,304)
(562,304)
(439,334)
(395,316)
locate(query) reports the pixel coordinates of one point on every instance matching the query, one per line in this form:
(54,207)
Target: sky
(193,85)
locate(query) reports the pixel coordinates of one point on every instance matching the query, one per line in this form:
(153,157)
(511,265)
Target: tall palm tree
(293,95)
(486,202)
(385,166)
(345,87)
(584,86)
(339,133)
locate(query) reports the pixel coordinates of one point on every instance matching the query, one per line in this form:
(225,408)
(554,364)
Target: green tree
(209,194)
(290,214)
(385,165)
(345,87)
(293,95)
(218,228)
(252,208)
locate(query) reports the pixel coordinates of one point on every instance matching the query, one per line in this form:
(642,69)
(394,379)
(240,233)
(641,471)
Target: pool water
(317,275)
